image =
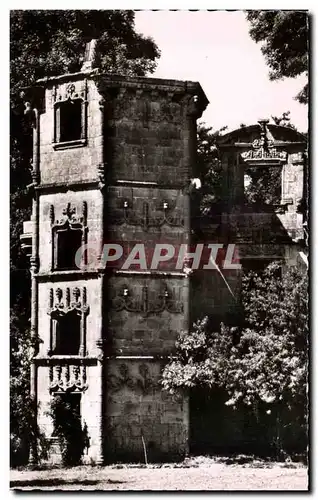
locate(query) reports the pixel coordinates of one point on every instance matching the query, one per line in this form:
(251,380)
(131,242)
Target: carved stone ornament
(263,148)
(101,176)
(262,154)
(70,218)
(70,91)
(70,378)
(75,302)
(166,301)
(145,220)
(143,384)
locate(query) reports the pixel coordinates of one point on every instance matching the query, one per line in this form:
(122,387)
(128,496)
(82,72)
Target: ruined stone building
(113,162)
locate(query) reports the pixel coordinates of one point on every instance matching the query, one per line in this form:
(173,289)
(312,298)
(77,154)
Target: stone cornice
(191,93)
(116,79)
(264,131)
(62,187)
(64,360)
(151,274)
(108,83)
(77,274)
(93,360)
(113,80)
(72,275)
(144,184)
(154,357)
(115,86)
(276,144)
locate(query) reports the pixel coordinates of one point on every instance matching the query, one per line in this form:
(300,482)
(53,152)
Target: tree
(273,345)
(209,167)
(264,188)
(284,35)
(46,43)
(262,363)
(52,42)
(283,120)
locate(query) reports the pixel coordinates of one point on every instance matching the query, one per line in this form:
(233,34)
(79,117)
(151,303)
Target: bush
(261,364)
(72,437)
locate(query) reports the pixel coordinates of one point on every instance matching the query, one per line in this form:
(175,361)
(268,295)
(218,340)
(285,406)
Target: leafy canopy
(265,360)
(209,168)
(52,42)
(284,37)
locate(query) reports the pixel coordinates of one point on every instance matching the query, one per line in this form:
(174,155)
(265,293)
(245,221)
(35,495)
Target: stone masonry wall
(148,167)
(146,140)
(146,325)
(137,409)
(62,166)
(129,173)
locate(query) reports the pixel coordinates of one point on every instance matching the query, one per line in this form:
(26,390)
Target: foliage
(262,363)
(24,433)
(209,167)
(273,344)
(264,187)
(21,408)
(267,359)
(283,120)
(52,42)
(72,437)
(201,358)
(284,35)
(45,43)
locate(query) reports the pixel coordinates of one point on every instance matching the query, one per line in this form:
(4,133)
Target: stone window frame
(278,164)
(69,221)
(71,95)
(55,341)
(60,309)
(68,227)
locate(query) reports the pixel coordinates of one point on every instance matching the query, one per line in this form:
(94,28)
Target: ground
(199,473)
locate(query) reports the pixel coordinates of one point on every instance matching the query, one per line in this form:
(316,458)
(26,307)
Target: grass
(197,473)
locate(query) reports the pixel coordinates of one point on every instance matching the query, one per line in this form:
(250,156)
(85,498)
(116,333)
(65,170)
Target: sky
(215,49)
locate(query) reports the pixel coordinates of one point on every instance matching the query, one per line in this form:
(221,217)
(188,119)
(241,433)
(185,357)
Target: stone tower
(113,159)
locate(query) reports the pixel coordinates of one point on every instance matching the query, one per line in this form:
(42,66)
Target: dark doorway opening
(66,412)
